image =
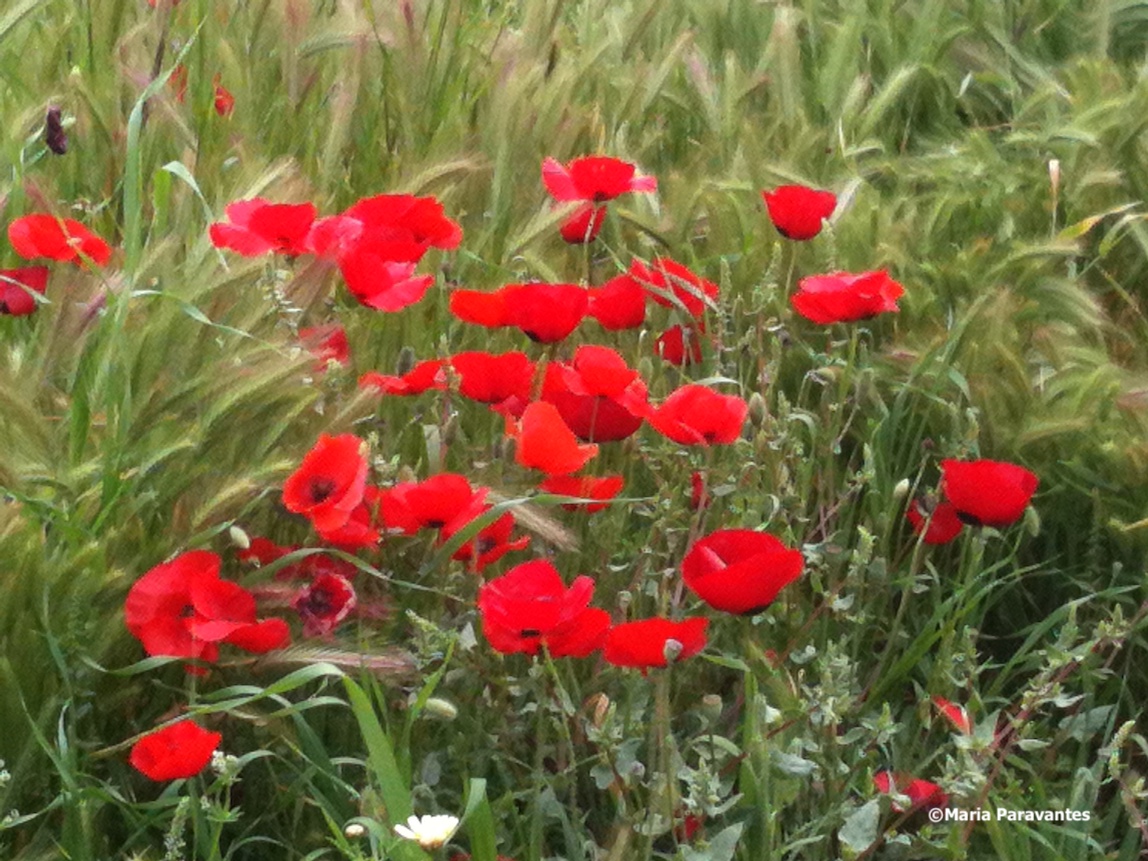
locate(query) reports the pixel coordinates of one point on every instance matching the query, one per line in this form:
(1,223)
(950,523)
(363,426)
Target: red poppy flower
(546,443)
(584,487)
(432,503)
(987,492)
(618,304)
(324,603)
(423,376)
(182,609)
(944,523)
(361,529)
(328,343)
(264,551)
(680,345)
(382,284)
(697,415)
(545,312)
(347,240)
(740,571)
(307,568)
(490,544)
(593,178)
(420,219)
(922,793)
(17,287)
(643,644)
(843,298)
(530,606)
(224,101)
(257,227)
(956,715)
(491,378)
(599,397)
(178,751)
(797,210)
(584,225)
(329,483)
(671,284)
(60,239)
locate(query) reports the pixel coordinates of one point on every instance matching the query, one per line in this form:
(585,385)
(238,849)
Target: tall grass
(990,154)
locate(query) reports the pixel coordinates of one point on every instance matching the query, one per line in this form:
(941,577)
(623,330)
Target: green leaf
(478,820)
(859,831)
(721,848)
(380,756)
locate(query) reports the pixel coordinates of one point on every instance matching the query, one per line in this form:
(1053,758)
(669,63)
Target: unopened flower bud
(354,830)
(711,707)
(757,409)
(239,537)
(440,708)
(599,706)
(405,362)
(901,489)
(624,600)
(672,649)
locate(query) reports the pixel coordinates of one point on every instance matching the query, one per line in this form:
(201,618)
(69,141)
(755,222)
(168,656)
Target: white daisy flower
(431,832)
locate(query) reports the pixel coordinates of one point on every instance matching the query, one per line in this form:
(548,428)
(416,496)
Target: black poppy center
(321,488)
(968,519)
(529,632)
(319,602)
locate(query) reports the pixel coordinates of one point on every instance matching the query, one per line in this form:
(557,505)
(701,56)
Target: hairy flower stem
(698,520)
(538,774)
(662,754)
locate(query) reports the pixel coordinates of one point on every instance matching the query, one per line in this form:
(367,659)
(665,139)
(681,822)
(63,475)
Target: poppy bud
(406,361)
(672,649)
(711,707)
(239,537)
(901,489)
(599,705)
(440,708)
(757,409)
(624,600)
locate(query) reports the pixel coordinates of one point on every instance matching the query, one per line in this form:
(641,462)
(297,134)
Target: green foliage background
(990,154)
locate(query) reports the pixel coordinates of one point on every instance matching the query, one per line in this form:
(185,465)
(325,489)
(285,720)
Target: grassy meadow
(990,155)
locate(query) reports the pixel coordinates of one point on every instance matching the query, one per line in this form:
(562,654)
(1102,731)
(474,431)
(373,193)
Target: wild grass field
(362,594)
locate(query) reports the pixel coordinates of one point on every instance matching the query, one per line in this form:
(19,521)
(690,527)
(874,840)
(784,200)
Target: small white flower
(431,832)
